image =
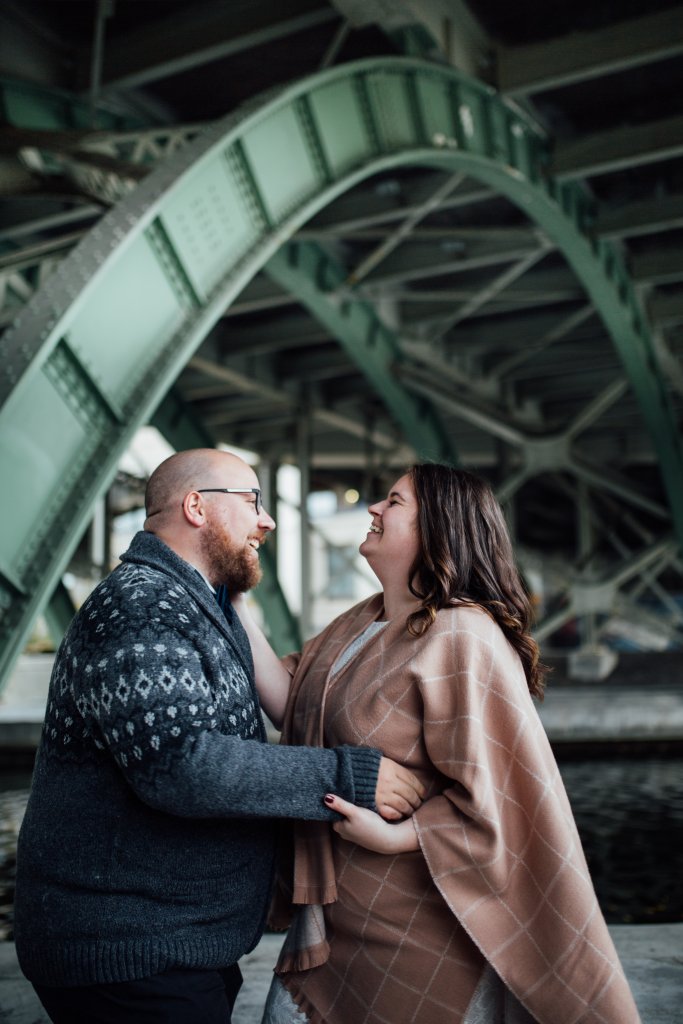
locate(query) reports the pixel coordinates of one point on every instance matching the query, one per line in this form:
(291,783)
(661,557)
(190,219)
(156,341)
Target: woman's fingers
(335,803)
(358,825)
(364,827)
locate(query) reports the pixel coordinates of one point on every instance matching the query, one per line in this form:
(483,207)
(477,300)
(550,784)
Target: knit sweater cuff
(365,766)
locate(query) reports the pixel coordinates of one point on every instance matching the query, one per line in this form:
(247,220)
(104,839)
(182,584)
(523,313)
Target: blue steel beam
(92,354)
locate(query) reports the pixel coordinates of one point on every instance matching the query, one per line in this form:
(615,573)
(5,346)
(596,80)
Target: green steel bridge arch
(95,351)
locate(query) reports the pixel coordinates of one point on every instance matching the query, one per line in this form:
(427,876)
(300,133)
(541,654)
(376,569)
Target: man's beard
(229,564)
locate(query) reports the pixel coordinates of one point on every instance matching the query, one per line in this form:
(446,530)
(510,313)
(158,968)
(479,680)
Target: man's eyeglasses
(235,490)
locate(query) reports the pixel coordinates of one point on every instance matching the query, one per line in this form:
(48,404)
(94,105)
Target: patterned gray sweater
(148,841)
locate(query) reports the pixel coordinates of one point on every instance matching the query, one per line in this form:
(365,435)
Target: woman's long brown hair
(466,557)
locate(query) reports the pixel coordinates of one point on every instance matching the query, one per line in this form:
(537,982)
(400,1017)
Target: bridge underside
(383,262)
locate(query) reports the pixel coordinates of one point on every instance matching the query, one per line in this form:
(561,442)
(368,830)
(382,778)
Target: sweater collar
(148,549)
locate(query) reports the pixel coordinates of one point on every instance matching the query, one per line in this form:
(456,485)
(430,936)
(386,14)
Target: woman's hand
(367,829)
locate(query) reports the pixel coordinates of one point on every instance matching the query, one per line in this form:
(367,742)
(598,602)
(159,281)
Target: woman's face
(392,542)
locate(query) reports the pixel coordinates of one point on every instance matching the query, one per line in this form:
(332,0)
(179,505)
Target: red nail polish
(329,798)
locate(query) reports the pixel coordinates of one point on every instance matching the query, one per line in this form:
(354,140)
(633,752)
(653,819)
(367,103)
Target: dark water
(630,817)
(13,797)
(629,814)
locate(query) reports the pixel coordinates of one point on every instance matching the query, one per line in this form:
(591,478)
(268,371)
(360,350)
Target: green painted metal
(90,357)
(59,612)
(28,105)
(183,430)
(310,273)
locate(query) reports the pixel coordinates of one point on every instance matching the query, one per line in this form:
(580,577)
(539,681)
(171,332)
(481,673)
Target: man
(146,854)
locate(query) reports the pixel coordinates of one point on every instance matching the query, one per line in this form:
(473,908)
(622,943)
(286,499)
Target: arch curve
(91,356)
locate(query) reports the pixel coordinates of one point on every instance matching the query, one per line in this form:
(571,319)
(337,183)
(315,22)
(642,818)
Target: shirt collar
(200,573)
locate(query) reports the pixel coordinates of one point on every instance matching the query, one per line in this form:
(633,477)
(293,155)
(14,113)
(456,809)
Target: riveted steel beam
(94,351)
(62,219)
(28,105)
(599,594)
(665,213)
(630,146)
(308,272)
(59,612)
(524,70)
(205,32)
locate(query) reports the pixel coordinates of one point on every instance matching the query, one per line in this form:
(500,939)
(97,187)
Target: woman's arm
(369,830)
(272,678)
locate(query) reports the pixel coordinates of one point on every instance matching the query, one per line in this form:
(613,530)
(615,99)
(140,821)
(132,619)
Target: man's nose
(266,521)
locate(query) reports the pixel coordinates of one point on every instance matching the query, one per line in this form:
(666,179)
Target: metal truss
(596,593)
(307,271)
(99,344)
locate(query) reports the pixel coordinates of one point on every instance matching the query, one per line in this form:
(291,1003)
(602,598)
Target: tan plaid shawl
(500,889)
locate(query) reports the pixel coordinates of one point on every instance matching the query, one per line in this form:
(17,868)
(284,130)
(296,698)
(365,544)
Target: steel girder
(95,350)
(315,277)
(29,105)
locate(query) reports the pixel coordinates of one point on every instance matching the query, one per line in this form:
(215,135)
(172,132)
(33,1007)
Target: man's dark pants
(178,996)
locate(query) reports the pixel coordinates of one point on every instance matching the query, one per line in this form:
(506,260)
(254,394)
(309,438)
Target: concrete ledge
(595,713)
(652,956)
(641,702)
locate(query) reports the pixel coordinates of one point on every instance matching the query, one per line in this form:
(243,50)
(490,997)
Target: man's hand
(399,792)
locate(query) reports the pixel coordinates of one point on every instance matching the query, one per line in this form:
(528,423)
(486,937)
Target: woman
(478,908)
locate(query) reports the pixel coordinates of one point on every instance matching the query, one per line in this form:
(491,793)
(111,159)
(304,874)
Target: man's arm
(226,776)
(398,792)
(184,746)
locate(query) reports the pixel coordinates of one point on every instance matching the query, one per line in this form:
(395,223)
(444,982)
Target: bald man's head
(218,533)
(183,472)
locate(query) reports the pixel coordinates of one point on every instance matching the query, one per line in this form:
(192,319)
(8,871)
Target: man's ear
(194,509)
